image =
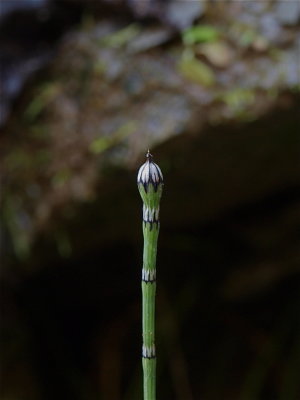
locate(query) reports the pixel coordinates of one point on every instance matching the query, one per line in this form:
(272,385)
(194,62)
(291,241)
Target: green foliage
(196,71)
(16,220)
(46,94)
(17,159)
(200,34)
(99,145)
(239,102)
(122,37)
(61,177)
(102,143)
(247,37)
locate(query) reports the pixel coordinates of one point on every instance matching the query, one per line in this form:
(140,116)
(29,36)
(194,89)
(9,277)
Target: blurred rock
(178,14)
(29,30)
(218,53)
(114,87)
(182,14)
(150,38)
(7,6)
(288,12)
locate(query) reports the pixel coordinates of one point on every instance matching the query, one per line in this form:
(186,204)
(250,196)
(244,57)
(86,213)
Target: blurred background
(212,88)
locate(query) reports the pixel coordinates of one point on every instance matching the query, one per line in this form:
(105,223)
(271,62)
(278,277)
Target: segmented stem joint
(150,214)
(148,275)
(149,352)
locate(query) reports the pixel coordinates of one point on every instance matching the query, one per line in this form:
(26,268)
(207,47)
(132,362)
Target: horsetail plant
(150,185)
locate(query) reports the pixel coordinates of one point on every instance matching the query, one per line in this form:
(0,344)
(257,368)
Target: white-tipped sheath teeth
(150,214)
(148,275)
(149,352)
(150,173)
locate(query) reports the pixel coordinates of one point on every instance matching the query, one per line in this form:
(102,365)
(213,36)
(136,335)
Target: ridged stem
(150,184)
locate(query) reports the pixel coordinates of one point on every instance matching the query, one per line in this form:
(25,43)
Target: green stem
(150,184)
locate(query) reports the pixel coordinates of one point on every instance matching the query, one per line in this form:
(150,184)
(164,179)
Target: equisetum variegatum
(150,185)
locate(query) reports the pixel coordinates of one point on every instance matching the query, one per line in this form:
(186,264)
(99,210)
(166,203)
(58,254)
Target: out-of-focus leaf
(61,177)
(122,37)
(200,34)
(48,92)
(196,71)
(103,143)
(100,144)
